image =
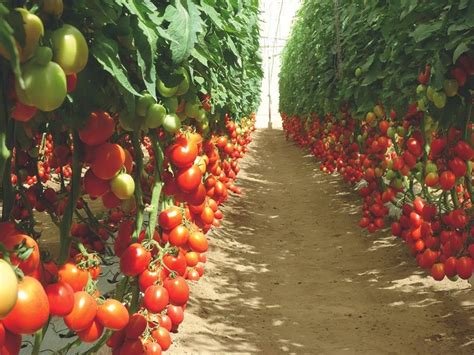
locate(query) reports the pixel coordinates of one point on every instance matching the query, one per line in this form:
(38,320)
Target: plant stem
(66,221)
(157,187)
(100,343)
(138,188)
(37,343)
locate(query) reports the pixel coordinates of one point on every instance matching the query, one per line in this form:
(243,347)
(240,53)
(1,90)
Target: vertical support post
(269,95)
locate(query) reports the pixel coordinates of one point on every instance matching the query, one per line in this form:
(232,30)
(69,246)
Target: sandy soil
(290,272)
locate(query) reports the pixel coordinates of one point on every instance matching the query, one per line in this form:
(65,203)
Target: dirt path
(290,272)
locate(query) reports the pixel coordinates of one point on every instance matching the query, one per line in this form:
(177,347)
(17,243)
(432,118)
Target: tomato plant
(110,117)
(395,124)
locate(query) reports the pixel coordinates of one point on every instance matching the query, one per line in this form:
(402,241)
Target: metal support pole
(270,126)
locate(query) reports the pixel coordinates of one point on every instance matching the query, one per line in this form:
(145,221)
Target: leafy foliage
(138,42)
(390,41)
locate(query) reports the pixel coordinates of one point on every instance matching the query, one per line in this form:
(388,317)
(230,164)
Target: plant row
(121,129)
(394,120)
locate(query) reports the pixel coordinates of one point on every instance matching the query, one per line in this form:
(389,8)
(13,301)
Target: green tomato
(397,183)
(33,31)
(201,116)
(391,132)
(420,89)
(70,49)
(450,87)
(171,104)
(155,115)
(45,86)
(439,99)
(401,131)
(171,123)
(429,93)
(9,289)
(183,87)
(53,7)
(422,104)
(123,186)
(390,175)
(360,139)
(358,72)
(431,168)
(204,126)
(166,91)
(191,110)
(143,104)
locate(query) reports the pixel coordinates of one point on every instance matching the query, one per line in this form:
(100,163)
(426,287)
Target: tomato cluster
(408,170)
(195,176)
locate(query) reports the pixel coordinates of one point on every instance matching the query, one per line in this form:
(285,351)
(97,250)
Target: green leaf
(460,49)
(7,41)
(105,51)
(185,24)
(200,57)
(209,10)
(425,31)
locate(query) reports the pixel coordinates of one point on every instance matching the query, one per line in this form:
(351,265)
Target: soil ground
(290,272)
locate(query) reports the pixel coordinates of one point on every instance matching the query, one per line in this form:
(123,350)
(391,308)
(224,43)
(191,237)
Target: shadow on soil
(262,249)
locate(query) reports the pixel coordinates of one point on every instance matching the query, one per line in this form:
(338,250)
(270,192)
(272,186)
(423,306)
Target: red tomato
(74,276)
(193,275)
(108,160)
(162,337)
(61,298)
(94,186)
(31,311)
(116,339)
(447,180)
(458,167)
(110,200)
(178,290)
(2,335)
(155,299)
(134,260)
(197,196)
(29,265)
(183,153)
(175,262)
(192,258)
(12,344)
(198,242)
(150,277)
(136,326)
(165,322)
(464,150)
(152,348)
(464,267)
(112,314)
(179,235)
(170,218)
(189,179)
(83,313)
(99,127)
(92,333)
(437,271)
(175,313)
(132,346)
(22,112)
